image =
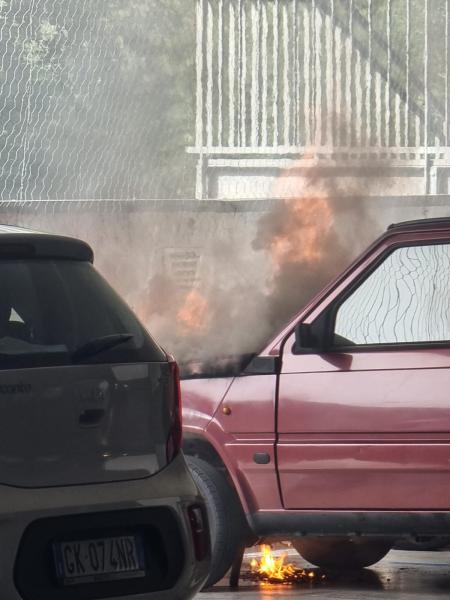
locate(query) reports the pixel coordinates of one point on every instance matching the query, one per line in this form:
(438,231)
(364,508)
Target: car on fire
(336,436)
(96,498)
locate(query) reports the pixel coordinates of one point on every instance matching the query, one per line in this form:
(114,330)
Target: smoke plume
(306,240)
(311,237)
(235,284)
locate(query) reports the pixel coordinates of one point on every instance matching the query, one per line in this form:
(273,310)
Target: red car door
(364,423)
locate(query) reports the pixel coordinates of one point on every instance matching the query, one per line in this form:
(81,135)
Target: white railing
(287,77)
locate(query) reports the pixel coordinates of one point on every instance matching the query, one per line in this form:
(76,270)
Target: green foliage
(108,87)
(158,60)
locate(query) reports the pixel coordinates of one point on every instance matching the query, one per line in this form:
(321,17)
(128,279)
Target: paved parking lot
(401,575)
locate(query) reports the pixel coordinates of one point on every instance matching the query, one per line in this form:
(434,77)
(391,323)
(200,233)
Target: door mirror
(313,337)
(304,338)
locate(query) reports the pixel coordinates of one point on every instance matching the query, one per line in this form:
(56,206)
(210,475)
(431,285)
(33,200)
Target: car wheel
(342,553)
(226,520)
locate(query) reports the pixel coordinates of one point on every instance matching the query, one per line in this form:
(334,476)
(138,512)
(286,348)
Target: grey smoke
(242,316)
(299,280)
(248,301)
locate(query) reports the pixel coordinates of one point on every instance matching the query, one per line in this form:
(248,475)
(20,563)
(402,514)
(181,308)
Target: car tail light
(174,439)
(200,531)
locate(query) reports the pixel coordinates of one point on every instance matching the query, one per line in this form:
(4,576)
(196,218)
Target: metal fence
(83,101)
(323,77)
(95,95)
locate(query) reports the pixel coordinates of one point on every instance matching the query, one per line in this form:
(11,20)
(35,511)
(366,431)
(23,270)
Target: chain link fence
(90,94)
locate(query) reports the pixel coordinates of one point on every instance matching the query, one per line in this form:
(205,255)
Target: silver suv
(96,500)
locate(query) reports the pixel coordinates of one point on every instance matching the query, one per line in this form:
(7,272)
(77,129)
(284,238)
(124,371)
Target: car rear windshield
(59,312)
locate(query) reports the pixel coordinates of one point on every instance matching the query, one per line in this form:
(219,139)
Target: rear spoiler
(43,245)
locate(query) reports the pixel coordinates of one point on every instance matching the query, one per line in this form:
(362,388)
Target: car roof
(421,224)
(19,242)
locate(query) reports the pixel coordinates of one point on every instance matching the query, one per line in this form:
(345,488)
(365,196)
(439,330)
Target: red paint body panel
(359,400)
(362,476)
(369,392)
(256,484)
(250,428)
(251,400)
(200,399)
(363,430)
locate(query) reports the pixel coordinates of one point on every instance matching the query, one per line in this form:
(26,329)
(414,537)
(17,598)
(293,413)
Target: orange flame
(273,570)
(193,313)
(272,567)
(308,213)
(302,238)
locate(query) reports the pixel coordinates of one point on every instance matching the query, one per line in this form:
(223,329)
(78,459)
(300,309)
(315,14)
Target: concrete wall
(196,243)
(134,239)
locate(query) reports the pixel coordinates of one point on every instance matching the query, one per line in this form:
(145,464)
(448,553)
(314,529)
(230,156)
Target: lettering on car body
(16,388)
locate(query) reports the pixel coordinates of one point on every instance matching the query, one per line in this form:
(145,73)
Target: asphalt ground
(401,575)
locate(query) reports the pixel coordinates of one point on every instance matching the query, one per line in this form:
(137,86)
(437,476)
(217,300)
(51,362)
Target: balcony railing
(336,79)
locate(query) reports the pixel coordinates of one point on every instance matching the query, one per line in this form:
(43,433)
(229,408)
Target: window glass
(50,309)
(405,300)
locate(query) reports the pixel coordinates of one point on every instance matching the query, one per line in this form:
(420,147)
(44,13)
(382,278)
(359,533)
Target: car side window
(405,300)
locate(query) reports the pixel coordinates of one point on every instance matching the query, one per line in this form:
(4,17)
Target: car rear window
(55,312)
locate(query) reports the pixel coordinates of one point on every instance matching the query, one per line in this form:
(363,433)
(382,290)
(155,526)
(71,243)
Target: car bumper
(172,488)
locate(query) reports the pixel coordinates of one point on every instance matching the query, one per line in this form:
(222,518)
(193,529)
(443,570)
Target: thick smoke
(221,317)
(311,238)
(250,280)
(306,240)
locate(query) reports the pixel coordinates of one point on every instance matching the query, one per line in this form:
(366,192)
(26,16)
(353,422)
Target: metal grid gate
(329,78)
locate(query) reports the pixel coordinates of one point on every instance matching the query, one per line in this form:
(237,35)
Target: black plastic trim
(261,458)
(263,365)
(314,523)
(43,245)
(35,575)
(438,222)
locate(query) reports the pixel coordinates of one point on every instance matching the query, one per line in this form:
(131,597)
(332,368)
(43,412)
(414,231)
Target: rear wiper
(97,345)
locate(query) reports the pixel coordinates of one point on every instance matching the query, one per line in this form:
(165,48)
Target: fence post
(426,107)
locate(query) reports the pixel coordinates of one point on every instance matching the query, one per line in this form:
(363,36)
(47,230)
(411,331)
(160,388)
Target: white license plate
(98,560)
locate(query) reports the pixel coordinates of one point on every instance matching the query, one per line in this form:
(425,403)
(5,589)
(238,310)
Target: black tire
(226,520)
(420,545)
(342,553)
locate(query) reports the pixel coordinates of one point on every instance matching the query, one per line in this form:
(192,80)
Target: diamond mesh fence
(89,97)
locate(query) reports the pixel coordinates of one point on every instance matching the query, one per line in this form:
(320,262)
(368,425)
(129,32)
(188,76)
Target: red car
(337,435)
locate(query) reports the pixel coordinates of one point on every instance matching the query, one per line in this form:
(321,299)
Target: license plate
(98,560)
